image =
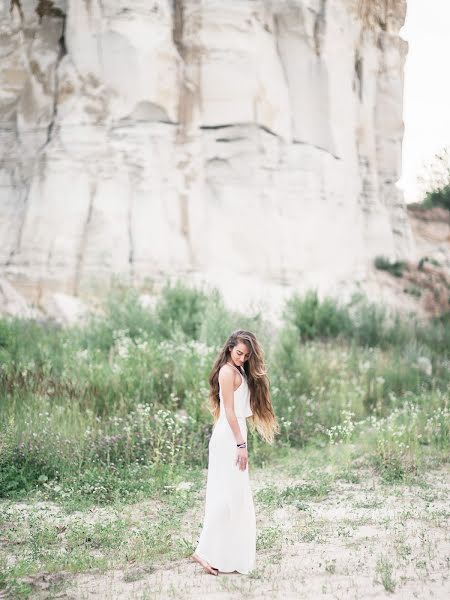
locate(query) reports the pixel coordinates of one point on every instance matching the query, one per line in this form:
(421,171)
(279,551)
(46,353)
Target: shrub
(122,311)
(314,318)
(439,197)
(366,323)
(426,259)
(435,181)
(395,268)
(413,290)
(180,307)
(435,334)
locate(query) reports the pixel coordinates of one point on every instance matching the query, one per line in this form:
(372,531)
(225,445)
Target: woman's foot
(205,565)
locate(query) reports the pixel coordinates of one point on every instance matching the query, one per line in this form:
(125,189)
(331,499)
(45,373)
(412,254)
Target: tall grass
(119,406)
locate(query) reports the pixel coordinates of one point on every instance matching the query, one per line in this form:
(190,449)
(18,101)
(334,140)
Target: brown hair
(263,418)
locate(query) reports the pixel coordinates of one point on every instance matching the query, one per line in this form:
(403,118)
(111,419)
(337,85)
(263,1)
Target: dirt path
(360,540)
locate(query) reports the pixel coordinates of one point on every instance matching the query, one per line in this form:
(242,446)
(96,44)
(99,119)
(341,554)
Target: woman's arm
(226,380)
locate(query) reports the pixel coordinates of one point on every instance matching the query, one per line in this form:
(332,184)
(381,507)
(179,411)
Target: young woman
(239,388)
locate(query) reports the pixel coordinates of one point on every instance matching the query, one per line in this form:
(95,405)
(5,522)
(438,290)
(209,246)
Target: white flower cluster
(342,431)
(122,342)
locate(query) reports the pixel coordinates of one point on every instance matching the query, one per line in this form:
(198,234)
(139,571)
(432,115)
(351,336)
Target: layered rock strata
(254,144)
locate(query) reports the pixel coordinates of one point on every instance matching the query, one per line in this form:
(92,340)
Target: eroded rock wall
(249,143)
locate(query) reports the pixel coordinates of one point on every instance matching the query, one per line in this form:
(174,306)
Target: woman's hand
(242,458)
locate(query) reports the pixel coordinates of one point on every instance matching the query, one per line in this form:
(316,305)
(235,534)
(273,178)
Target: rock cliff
(251,143)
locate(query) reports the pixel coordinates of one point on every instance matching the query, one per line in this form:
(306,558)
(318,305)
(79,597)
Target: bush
(122,311)
(435,334)
(366,323)
(316,319)
(428,259)
(394,268)
(180,307)
(435,181)
(439,197)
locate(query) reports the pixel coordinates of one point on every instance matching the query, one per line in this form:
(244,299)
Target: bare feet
(205,565)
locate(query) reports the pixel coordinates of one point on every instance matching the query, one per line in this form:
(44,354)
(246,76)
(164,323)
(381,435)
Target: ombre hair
(263,418)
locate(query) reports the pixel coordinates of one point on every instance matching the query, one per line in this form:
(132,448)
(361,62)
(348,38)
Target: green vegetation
(271,496)
(439,197)
(116,407)
(116,411)
(413,290)
(385,571)
(428,259)
(435,181)
(395,268)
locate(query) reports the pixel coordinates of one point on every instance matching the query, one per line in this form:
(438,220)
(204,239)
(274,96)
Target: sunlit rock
(254,145)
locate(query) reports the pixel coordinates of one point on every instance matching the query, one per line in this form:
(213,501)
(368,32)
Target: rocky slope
(252,144)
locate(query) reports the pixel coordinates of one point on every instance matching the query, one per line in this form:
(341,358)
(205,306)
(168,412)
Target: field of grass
(105,431)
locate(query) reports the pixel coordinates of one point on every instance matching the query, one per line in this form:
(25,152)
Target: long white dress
(228,537)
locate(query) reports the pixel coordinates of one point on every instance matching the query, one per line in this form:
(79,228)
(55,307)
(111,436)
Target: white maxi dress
(228,537)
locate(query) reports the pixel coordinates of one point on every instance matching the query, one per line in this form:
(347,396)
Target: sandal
(208,568)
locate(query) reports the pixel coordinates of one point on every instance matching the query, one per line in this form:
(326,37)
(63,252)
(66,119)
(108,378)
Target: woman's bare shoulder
(226,373)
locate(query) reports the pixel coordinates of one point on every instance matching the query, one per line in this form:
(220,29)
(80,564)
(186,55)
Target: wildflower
(424,364)
(184,485)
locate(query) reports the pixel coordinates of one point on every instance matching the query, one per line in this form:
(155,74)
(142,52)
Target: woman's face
(239,354)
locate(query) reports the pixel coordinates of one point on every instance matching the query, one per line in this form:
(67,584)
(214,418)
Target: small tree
(435,181)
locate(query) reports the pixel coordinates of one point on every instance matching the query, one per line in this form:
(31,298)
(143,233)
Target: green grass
(115,412)
(93,412)
(269,538)
(312,490)
(385,570)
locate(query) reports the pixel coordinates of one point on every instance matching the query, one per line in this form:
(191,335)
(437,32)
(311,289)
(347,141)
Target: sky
(426,109)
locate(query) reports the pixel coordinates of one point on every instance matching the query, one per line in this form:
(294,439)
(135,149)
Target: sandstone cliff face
(431,231)
(257,138)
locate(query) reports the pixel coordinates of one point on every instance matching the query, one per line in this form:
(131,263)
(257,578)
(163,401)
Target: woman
(239,388)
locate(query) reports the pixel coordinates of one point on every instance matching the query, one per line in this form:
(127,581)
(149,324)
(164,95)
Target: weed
(393,267)
(385,569)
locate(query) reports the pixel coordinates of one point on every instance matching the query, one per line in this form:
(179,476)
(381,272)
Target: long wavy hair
(263,418)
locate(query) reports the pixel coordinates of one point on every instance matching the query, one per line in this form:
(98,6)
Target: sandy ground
(330,548)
